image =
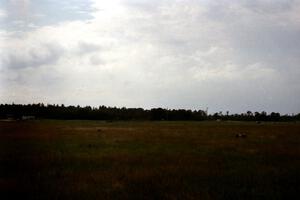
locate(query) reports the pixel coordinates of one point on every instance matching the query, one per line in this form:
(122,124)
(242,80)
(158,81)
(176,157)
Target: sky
(234,55)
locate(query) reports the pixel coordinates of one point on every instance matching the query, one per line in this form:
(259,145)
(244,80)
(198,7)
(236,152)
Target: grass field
(149,160)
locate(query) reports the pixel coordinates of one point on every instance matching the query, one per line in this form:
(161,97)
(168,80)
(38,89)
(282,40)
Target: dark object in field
(241,135)
(99,130)
(258,122)
(93,146)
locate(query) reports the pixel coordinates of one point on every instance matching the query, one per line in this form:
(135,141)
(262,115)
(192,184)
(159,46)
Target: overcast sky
(234,55)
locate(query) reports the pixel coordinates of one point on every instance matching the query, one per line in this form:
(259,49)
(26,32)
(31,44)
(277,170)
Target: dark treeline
(49,111)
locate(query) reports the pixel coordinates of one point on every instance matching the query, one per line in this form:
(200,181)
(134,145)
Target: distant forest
(49,111)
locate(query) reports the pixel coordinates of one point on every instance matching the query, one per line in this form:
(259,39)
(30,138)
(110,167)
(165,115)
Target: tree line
(55,111)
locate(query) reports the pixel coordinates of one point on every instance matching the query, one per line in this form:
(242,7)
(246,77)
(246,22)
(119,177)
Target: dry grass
(149,160)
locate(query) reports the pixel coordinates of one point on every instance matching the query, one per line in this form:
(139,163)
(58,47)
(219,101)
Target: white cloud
(3,14)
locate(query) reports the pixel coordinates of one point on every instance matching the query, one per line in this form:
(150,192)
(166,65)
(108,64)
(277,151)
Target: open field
(149,160)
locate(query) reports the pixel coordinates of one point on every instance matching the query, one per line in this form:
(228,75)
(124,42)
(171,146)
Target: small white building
(24,117)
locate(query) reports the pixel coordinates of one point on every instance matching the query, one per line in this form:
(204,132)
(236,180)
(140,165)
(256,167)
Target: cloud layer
(225,55)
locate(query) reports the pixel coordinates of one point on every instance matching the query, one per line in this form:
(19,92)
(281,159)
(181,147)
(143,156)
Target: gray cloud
(85,48)
(34,56)
(267,6)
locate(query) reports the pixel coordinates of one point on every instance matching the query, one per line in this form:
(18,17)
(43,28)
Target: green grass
(149,160)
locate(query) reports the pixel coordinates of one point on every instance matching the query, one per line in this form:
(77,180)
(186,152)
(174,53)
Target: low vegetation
(52,159)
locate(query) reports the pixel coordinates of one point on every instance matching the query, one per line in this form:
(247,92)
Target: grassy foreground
(149,160)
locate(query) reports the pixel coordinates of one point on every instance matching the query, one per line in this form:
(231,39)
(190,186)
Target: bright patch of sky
(28,14)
